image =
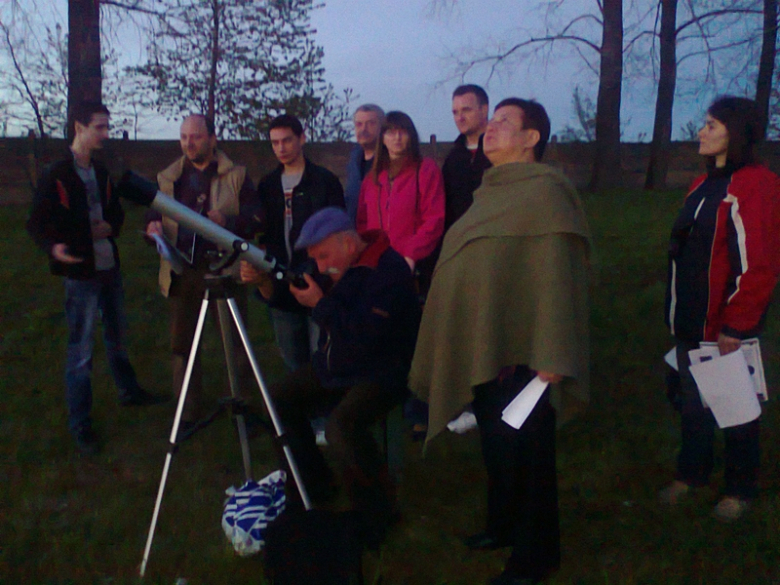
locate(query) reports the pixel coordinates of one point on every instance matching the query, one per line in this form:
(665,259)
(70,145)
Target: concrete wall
(18,164)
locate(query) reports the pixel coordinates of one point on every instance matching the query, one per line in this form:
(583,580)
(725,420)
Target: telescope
(134,187)
(137,189)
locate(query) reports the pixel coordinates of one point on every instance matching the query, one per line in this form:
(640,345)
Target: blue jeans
(296,336)
(84,300)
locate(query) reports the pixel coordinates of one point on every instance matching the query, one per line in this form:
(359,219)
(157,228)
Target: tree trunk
(606,167)
(767,64)
(212,94)
(662,126)
(84,77)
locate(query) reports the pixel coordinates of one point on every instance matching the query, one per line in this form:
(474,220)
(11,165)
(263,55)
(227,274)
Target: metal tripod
(220,288)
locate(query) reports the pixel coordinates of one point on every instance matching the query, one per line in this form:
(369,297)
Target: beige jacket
(223,197)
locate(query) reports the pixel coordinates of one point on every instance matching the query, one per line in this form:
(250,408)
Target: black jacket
(60,215)
(318,188)
(368,320)
(462,172)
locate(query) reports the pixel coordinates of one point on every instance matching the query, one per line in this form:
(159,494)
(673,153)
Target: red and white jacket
(725,255)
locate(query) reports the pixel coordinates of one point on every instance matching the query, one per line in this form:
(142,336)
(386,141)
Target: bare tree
(585,111)
(603,56)
(607,166)
(768,54)
(84,52)
(38,76)
(704,31)
(662,124)
(242,62)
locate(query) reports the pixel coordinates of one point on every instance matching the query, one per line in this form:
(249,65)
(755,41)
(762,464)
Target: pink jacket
(412,214)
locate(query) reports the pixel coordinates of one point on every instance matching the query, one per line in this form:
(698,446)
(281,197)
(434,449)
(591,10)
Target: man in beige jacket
(207,182)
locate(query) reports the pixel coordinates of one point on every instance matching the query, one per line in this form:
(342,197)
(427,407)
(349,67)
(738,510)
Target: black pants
(185,300)
(522,481)
(695,461)
(348,431)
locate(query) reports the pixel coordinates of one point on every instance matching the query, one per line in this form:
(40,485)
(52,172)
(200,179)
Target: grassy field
(65,519)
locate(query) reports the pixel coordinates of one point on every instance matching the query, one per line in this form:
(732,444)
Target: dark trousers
(348,431)
(186,296)
(695,461)
(522,481)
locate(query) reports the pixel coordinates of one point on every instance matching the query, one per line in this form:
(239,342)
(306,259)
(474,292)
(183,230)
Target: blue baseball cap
(324,223)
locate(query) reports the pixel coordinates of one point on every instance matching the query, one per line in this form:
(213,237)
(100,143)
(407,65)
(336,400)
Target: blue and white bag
(249,509)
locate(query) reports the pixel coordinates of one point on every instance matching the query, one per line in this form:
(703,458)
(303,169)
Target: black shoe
(141,397)
(87,441)
(485,541)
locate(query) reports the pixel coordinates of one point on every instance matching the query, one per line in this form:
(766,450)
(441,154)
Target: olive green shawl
(510,287)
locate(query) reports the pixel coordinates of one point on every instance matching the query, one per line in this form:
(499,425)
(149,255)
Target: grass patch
(64,519)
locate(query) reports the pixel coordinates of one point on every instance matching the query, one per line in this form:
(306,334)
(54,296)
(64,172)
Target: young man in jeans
(75,218)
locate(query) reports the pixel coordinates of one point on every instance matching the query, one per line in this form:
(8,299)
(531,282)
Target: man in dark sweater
(466,162)
(75,218)
(368,321)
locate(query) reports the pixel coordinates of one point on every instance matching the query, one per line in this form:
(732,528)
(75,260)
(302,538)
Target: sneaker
(87,441)
(672,493)
(318,426)
(141,397)
(319,437)
(464,423)
(730,509)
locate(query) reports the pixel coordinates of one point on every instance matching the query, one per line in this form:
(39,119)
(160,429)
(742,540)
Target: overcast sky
(394,52)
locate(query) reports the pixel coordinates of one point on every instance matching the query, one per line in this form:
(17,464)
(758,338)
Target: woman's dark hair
(745,124)
(396,120)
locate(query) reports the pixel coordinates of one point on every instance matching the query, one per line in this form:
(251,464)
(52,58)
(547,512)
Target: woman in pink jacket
(403,195)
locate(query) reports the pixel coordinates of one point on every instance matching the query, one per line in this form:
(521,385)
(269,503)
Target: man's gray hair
(371,108)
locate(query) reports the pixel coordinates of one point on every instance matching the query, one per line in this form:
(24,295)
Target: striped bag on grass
(249,509)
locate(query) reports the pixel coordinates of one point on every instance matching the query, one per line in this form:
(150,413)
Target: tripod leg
(175,430)
(230,360)
(268,403)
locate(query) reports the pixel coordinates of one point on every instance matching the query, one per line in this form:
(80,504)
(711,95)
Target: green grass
(64,519)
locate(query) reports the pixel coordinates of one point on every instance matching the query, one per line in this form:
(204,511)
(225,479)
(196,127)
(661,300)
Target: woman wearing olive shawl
(508,300)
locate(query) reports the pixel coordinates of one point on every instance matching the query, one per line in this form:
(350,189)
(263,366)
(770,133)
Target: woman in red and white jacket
(724,262)
(403,195)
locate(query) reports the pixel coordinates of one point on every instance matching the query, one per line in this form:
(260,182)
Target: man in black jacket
(75,218)
(288,196)
(466,162)
(368,323)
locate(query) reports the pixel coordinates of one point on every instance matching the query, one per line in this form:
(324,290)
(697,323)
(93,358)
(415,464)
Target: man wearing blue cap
(368,313)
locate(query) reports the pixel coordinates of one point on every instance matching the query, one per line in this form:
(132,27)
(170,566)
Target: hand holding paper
(725,383)
(518,410)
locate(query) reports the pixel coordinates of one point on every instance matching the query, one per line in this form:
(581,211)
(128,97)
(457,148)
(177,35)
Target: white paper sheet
(169,252)
(726,385)
(521,406)
(671,359)
(752,350)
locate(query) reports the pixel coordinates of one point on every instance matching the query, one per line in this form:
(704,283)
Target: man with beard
(206,181)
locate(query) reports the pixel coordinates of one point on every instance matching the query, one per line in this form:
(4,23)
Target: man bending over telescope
(368,314)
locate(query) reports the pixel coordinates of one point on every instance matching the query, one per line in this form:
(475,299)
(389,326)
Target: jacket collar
(461,141)
(279,170)
(174,171)
(378,243)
